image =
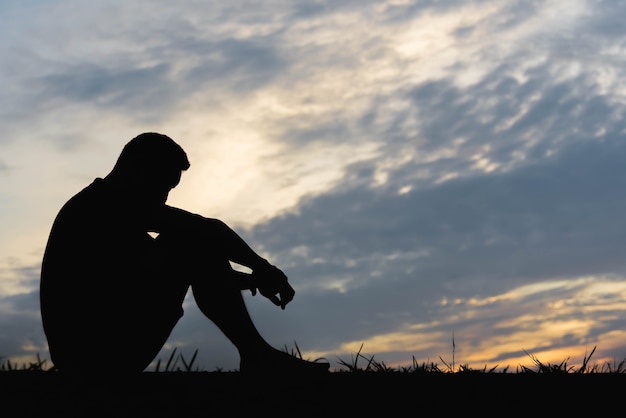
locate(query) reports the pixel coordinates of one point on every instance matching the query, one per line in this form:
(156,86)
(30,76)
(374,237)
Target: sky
(440,180)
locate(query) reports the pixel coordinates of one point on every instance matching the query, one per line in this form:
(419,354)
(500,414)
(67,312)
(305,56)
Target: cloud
(92,85)
(478,189)
(18,276)
(532,222)
(22,336)
(380,260)
(414,166)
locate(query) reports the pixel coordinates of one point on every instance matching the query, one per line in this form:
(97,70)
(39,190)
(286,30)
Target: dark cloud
(511,116)
(22,332)
(152,92)
(514,14)
(391,13)
(242,65)
(28,276)
(541,216)
(20,321)
(604,20)
(92,84)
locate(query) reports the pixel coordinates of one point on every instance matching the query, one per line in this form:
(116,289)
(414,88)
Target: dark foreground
(221,394)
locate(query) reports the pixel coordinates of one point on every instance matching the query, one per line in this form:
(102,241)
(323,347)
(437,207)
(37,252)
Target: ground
(221,394)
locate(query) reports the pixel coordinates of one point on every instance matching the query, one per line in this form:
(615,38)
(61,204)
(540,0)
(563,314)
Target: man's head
(151,164)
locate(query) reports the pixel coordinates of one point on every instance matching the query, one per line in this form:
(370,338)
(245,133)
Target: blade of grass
(169,361)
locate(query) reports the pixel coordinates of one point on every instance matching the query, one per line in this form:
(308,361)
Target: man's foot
(279,362)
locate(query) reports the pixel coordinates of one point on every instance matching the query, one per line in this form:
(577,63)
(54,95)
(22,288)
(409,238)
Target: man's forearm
(222,238)
(235,248)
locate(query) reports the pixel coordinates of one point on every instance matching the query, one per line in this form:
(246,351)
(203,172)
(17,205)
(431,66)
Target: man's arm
(268,279)
(219,235)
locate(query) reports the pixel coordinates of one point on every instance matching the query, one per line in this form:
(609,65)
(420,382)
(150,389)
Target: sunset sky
(421,170)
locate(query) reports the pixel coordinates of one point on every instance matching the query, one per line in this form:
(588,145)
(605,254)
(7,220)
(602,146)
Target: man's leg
(159,308)
(156,288)
(219,297)
(217,291)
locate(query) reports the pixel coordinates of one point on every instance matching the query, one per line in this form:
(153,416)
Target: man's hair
(151,150)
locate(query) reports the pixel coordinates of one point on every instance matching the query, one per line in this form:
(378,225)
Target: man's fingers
(273,284)
(287,298)
(275,300)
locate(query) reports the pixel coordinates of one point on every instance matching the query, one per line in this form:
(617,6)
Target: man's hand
(272,283)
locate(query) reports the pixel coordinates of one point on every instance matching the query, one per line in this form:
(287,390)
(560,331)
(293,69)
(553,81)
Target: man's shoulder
(92,193)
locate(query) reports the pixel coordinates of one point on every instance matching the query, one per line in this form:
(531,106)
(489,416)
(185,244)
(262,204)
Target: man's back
(87,267)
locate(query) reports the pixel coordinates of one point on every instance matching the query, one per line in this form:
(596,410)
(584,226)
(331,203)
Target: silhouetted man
(111,293)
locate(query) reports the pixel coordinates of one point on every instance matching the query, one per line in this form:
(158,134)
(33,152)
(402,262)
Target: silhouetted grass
(38,365)
(361,363)
(361,386)
(172,363)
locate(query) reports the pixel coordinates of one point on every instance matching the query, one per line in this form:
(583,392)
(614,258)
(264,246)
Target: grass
(38,365)
(362,363)
(362,386)
(172,363)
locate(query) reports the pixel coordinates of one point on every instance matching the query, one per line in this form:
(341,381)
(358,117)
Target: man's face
(156,186)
